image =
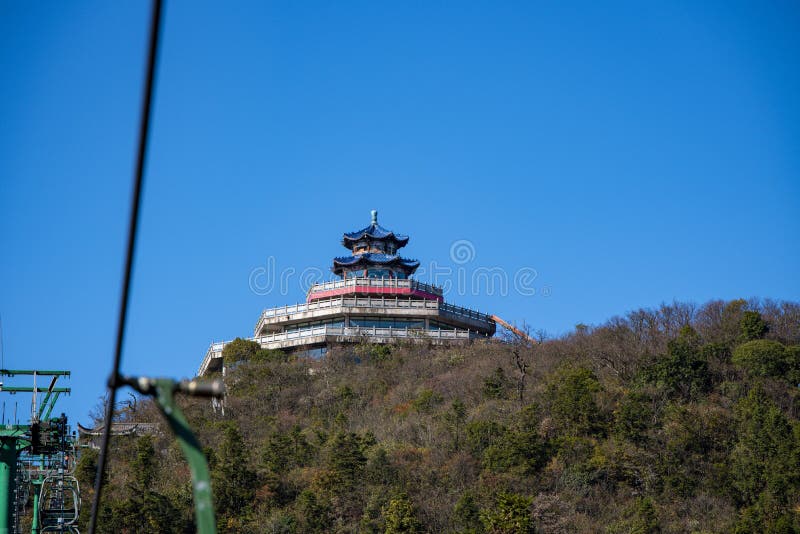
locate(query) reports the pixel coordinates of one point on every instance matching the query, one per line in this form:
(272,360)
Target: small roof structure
(373,232)
(91,436)
(369,259)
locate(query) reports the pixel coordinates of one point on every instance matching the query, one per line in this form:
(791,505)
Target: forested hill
(677,419)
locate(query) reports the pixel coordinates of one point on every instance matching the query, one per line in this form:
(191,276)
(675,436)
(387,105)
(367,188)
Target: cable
(2,348)
(113,379)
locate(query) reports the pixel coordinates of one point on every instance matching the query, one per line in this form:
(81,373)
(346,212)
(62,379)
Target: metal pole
(35,522)
(163,391)
(8,473)
(113,378)
(193,451)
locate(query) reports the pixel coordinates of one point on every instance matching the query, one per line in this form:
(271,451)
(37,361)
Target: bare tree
(521,342)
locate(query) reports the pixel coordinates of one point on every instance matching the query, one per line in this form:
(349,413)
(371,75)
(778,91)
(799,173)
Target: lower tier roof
(371,259)
(274,319)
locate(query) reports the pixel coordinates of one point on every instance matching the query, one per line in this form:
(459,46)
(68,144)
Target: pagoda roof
(374,231)
(370,258)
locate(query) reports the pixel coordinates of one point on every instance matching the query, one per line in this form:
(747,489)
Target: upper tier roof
(371,259)
(373,231)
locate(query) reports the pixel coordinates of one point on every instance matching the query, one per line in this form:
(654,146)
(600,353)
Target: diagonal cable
(113,379)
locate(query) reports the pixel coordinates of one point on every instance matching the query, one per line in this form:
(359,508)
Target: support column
(8,474)
(35,521)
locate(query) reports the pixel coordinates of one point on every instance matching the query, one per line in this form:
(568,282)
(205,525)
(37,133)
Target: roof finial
(374,216)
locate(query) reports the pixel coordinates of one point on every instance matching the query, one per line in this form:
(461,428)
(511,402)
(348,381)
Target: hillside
(676,419)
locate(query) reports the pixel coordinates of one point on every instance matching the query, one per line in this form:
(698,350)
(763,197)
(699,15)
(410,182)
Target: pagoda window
(359,321)
(383,322)
(379,273)
(336,323)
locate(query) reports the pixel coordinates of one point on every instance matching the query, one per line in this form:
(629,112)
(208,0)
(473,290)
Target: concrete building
(376,299)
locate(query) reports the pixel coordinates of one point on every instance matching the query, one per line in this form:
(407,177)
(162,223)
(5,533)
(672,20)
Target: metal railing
(395,283)
(356,331)
(371,302)
(350,302)
(215,349)
(465,312)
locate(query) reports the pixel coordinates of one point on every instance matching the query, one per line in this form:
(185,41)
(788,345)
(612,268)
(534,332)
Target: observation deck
(374,286)
(275,319)
(323,335)
(375,300)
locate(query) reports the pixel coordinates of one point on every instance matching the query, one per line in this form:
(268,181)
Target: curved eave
(373,260)
(373,232)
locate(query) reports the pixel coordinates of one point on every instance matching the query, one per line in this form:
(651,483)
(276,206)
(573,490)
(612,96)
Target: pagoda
(374,299)
(374,255)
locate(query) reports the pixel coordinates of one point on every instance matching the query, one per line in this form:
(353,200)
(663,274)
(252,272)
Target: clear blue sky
(630,152)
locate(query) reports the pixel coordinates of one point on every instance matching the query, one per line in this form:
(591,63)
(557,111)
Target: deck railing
(396,283)
(356,331)
(371,302)
(215,350)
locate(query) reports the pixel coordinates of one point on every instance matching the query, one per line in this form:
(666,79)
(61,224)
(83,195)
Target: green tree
(85,472)
(86,468)
(346,461)
(495,385)
(571,391)
(761,357)
(379,353)
(239,349)
(683,371)
(233,480)
(454,419)
(645,520)
(399,516)
(715,352)
(144,463)
(269,355)
(792,358)
(426,401)
(372,521)
(284,451)
(731,321)
(642,519)
(752,326)
(633,417)
(467,514)
(481,434)
(149,510)
(766,456)
(694,442)
(520,449)
(766,516)
(511,514)
(379,469)
(312,514)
